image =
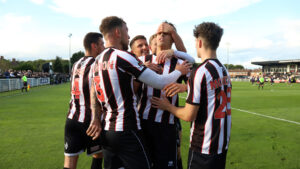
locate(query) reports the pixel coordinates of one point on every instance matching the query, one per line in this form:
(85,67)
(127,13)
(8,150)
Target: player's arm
(159,81)
(178,41)
(167,54)
(187,113)
(184,56)
(131,65)
(136,86)
(174,88)
(95,125)
(165,27)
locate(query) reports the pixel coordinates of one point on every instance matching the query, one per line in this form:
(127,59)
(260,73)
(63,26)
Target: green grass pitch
(32,128)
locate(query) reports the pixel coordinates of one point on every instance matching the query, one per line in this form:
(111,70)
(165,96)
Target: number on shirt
(99,91)
(75,89)
(219,113)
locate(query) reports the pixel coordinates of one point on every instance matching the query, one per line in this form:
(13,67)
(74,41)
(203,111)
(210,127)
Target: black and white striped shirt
(80,107)
(114,71)
(209,87)
(145,110)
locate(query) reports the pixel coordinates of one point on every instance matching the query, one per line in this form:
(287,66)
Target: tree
(57,65)
(76,56)
(65,64)
(24,66)
(231,66)
(37,64)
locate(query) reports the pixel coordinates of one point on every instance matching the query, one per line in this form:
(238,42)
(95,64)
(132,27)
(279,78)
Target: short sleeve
(130,64)
(195,83)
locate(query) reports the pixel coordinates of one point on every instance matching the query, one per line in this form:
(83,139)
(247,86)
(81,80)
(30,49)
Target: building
(280,67)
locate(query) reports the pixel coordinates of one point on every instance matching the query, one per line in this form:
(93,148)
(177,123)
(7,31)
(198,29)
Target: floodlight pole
(227,44)
(70,35)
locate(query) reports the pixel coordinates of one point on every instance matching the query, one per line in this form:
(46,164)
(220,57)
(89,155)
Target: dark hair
(171,25)
(109,23)
(137,38)
(210,32)
(151,38)
(91,37)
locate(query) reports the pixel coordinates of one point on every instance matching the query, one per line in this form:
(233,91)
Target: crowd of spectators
(19,73)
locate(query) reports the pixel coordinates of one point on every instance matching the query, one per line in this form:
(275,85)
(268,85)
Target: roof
(264,63)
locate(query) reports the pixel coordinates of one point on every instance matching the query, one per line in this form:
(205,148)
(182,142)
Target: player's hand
(184,68)
(164,27)
(154,67)
(94,129)
(163,55)
(160,103)
(174,88)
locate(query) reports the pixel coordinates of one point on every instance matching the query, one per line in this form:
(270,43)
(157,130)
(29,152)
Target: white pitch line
(271,117)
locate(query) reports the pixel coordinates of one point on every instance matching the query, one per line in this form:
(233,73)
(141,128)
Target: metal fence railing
(14,84)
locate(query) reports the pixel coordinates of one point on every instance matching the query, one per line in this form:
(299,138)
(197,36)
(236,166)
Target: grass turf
(32,128)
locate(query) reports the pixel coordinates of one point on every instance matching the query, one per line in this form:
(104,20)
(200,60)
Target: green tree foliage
(65,64)
(231,66)
(76,56)
(5,64)
(24,66)
(57,65)
(37,65)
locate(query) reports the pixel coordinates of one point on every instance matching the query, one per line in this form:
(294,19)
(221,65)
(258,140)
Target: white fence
(14,84)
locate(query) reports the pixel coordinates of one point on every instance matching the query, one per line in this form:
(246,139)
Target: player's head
(93,43)
(139,46)
(115,28)
(208,36)
(164,37)
(153,43)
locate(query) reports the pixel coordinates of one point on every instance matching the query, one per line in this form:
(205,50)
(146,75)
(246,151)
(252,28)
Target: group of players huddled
(124,105)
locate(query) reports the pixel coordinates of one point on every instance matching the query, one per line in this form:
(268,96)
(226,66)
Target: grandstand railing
(15,84)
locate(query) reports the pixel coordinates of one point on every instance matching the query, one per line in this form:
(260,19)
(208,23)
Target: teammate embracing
(208,103)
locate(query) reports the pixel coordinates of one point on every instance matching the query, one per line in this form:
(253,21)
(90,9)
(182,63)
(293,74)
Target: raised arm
(159,81)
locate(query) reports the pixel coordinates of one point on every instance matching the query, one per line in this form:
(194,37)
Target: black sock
(66,168)
(96,163)
(179,163)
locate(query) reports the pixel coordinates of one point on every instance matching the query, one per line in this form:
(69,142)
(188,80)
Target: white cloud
(39,2)
(291,32)
(3,1)
(135,11)
(21,39)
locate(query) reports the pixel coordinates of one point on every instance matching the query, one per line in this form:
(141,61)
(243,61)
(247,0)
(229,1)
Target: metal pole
(227,44)
(70,35)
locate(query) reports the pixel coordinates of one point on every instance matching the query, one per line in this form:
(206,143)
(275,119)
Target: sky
(254,30)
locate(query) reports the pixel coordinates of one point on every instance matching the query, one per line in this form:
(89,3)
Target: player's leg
(197,160)
(74,143)
(25,86)
(165,146)
(178,137)
(133,152)
(97,161)
(94,148)
(70,162)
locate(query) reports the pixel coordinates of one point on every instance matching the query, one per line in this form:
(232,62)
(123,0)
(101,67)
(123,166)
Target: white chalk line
(271,117)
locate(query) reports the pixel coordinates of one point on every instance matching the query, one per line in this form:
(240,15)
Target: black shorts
(77,141)
(127,146)
(25,84)
(161,140)
(179,129)
(204,161)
